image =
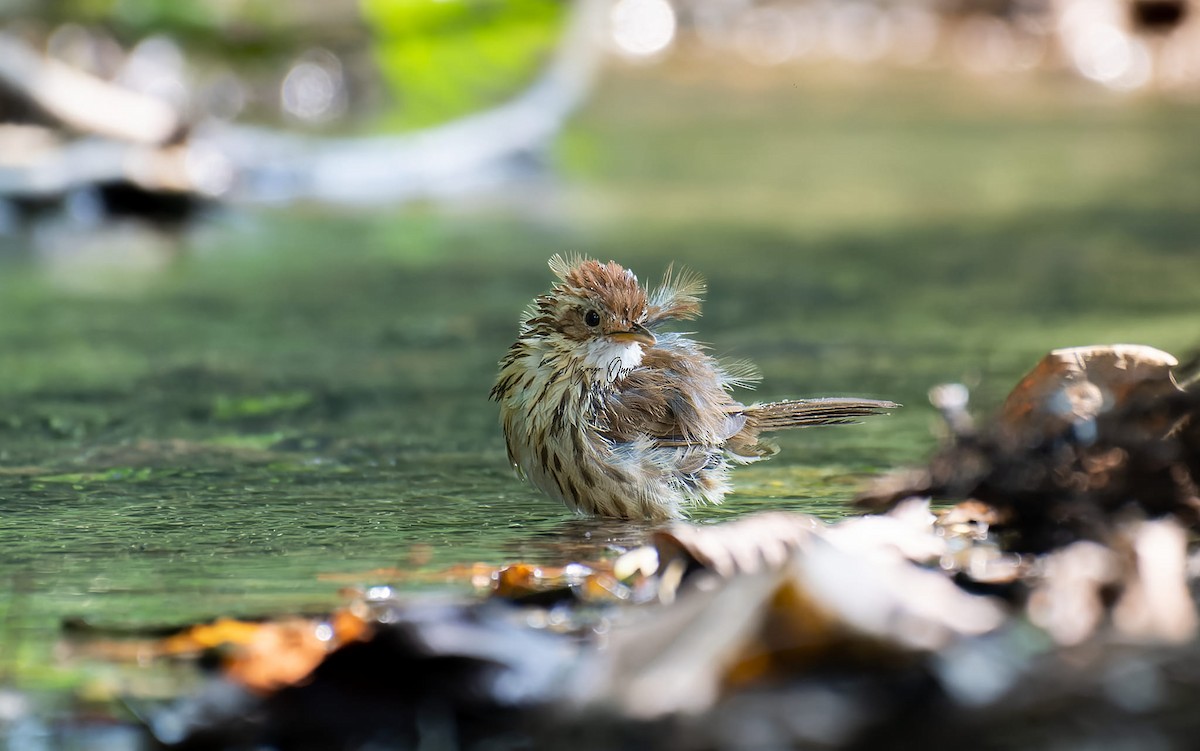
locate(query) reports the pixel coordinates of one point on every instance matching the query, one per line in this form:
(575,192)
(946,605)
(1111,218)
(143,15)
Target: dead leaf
(1078,383)
(753,543)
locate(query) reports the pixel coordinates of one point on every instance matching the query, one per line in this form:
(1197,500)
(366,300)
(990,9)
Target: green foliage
(446,58)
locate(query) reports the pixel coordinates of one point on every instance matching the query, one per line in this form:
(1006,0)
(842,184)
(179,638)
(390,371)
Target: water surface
(250,417)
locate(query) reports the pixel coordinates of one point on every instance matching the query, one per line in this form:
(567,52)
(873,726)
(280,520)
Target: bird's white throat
(610,361)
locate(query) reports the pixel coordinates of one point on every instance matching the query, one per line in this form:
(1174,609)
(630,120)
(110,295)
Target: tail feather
(798,413)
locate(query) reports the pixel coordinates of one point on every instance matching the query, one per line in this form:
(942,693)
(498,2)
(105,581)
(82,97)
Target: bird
(604,411)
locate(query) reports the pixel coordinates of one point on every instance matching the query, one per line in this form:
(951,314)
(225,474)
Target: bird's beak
(636,333)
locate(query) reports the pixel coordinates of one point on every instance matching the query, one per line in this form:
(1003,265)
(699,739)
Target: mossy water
(280,405)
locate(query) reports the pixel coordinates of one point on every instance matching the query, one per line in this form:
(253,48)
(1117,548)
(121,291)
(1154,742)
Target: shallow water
(270,408)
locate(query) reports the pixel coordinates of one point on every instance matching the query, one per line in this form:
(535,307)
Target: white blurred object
(642,28)
(1156,604)
(1108,55)
(314,90)
(1098,42)
(156,68)
(906,530)
(208,170)
(1067,603)
(82,101)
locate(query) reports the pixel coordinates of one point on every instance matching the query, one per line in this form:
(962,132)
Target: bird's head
(598,317)
(596,313)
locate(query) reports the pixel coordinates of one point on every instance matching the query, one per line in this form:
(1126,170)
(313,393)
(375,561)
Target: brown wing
(676,397)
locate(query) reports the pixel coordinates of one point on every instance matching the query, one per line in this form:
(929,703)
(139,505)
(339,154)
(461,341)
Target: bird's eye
(591,318)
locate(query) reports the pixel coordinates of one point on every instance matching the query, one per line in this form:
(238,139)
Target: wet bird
(613,417)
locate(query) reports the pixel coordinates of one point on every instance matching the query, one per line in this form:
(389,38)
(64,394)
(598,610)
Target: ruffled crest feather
(610,284)
(678,296)
(561,265)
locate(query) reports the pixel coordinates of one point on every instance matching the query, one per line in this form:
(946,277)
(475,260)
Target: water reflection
(555,540)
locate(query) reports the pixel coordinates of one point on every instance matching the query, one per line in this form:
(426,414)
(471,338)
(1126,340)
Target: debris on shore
(1055,603)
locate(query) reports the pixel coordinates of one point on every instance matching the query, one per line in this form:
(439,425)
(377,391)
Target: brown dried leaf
(522,581)
(971,512)
(823,603)
(1078,383)
(760,542)
(263,656)
(276,654)
(891,599)
(205,636)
